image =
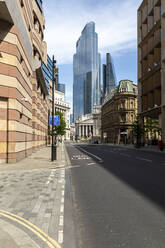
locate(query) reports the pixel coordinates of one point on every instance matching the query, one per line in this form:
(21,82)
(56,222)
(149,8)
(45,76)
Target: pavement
(118,196)
(32,195)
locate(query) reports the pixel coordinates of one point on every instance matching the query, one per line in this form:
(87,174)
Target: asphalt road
(118,197)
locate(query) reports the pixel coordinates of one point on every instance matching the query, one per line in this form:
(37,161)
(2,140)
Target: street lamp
(53,152)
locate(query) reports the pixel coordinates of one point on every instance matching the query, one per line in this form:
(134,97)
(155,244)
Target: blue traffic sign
(56,120)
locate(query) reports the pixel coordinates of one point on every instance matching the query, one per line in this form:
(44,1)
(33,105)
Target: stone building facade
(84,127)
(151,61)
(64,107)
(23,92)
(89,126)
(118,114)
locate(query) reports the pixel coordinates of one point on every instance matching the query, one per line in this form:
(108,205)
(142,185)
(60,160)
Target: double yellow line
(51,243)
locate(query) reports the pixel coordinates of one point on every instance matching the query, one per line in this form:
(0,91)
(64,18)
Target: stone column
(92,130)
(79,133)
(88,130)
(82,130)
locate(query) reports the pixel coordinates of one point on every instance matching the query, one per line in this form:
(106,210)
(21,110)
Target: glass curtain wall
(86,71)
(109,76)
(47,71)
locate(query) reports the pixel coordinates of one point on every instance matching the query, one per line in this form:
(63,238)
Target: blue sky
(116,25)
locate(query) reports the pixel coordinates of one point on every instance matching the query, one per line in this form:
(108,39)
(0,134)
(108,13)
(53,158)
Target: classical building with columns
(89,126)
(64,107)
(84,126)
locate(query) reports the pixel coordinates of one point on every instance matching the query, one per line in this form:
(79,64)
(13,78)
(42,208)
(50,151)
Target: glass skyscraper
(86,72)
(109,76)
(48,75)
(47,71)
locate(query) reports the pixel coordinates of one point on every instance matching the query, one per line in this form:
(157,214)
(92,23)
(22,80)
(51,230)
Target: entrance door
(3,130)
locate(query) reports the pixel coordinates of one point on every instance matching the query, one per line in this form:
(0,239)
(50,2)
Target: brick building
(23,90)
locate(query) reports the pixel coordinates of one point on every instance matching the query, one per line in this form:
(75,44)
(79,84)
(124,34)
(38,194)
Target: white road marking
(62,208)
(63,192)
(60,237)
(124,154)
(61,180)
(61,221)
(91,154)
(91,163)
(144,159)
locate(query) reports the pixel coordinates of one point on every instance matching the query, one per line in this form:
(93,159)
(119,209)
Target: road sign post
(53,151)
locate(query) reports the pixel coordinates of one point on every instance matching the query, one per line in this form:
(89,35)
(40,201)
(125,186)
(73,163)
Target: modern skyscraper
(109,77)
(86,71)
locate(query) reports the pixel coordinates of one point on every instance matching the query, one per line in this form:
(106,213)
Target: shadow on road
(147,178)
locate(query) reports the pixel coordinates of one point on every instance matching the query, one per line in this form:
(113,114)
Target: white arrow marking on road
(91,154)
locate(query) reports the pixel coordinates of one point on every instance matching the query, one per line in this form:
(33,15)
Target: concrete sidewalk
(38,160)
(10,236)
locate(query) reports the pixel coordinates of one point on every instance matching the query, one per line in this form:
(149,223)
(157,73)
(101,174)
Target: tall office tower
(109,77)
(86,70)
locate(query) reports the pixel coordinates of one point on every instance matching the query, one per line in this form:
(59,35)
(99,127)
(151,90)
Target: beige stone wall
(119,113)
(23,106)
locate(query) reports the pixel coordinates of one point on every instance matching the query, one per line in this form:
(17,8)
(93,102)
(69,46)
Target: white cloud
(116,25)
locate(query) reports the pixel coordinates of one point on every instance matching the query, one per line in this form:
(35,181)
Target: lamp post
(53,152)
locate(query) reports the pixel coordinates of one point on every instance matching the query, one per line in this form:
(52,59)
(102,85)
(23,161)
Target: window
(123,89)
(123,117)
(123,104)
